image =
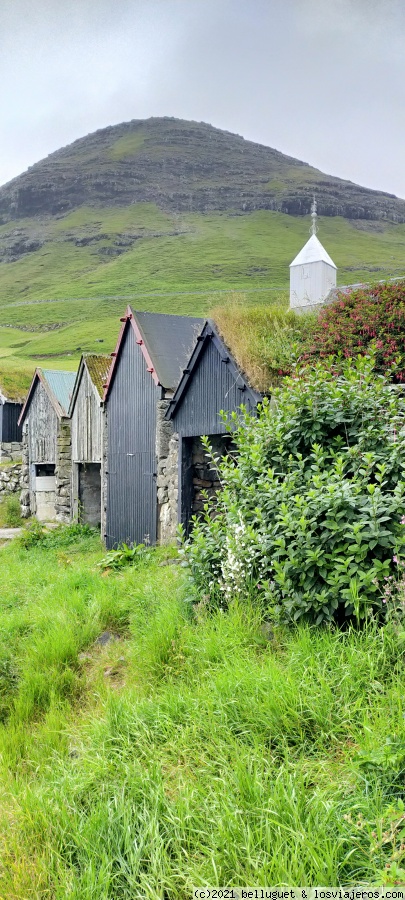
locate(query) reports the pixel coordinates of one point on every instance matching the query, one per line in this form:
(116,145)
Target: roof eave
(208,332)
(129,317)
(75,391)
(38,376)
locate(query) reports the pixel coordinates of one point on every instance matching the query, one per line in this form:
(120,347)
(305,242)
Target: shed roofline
(209,332)
(129,317)
(79,376)
(39,376)
(4,399)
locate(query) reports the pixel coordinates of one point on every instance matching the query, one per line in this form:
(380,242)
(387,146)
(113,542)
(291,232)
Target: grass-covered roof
(263,339)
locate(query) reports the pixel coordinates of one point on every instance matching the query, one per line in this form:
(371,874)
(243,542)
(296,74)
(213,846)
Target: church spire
(312,272)
(314,216)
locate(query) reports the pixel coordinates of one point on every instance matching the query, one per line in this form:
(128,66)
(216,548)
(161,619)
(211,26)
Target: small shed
(151,353)
(312,276)
(10,430)
(211,382)
(86,412)
(47,446)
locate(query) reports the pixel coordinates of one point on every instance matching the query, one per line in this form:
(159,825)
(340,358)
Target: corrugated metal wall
(86,422)
(9,429)
(42,428)
(131,466)
(213,387)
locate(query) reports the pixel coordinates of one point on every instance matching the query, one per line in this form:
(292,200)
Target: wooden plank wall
(42,428)
(87,423)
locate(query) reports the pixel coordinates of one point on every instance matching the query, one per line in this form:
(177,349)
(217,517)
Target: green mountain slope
(167,214)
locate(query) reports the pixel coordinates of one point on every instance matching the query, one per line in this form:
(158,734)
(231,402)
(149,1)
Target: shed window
(44,469)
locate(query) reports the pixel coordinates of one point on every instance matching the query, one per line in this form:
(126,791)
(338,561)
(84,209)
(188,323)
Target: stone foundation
(10,452)
(63,474)
(205,476)
(25,497)
(167,455)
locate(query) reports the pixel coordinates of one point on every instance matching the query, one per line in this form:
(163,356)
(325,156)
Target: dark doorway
(199,476)
(90,494)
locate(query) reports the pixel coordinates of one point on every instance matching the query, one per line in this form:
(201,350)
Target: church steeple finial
(312,272)
(314,216)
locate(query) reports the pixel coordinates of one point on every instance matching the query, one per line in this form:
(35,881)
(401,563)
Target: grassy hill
(170,216)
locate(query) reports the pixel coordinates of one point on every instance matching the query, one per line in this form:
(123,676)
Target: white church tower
(312,273)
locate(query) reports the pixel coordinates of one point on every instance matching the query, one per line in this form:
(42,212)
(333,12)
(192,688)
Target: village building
(86,412)
(148,362)
(10,430)
(211,382)
(47,446)
(312,273)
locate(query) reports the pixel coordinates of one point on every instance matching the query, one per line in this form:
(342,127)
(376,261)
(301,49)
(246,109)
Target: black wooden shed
(148,361)
(211,382)
(10,430)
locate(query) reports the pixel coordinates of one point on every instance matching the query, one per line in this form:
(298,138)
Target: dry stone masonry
(10,452)
(25,477)
(167,455)
(11,479)
(206,483)
(63,473)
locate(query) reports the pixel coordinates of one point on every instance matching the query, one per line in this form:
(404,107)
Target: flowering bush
(309,516)
(393,593)
(361,319)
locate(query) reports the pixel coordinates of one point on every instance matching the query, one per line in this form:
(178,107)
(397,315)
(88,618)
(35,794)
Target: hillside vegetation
(172,216)
(192,749)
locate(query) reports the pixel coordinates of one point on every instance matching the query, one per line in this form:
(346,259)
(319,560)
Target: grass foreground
(193,748)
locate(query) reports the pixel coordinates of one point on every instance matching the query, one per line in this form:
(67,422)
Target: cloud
(322,81)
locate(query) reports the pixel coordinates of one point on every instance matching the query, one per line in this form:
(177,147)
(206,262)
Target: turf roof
(98,367)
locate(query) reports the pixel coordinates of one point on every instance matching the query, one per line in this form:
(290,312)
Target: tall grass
(193,749)
(265,339)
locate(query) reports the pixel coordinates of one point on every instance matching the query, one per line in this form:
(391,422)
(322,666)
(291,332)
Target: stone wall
(10,452)
(63,473)
(205,476)
(11,479)
(167,455)
(25,500)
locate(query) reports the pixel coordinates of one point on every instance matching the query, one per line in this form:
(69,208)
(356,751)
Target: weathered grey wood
(87,423)
(43,428)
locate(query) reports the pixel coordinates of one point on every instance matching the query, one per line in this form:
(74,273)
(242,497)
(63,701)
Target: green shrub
(66,535)
(12,512)
(124,555)
(62,536)
(309,518)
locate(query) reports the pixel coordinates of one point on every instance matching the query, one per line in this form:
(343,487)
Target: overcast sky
(321,80)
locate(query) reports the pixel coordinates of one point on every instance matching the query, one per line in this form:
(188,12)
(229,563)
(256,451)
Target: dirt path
(7,533)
